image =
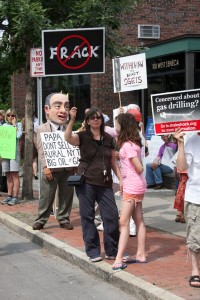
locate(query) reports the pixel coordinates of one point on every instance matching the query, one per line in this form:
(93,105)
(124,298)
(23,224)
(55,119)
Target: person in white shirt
(188,159)
(35,122)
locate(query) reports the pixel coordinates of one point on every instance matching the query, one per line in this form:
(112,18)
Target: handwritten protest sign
(7,142)
(177,109)
(131,73)
(57,152)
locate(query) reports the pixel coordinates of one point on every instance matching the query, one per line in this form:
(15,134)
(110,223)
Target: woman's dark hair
(92,112)
(129,130)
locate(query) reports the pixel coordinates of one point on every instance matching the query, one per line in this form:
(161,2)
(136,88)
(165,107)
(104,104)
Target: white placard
(131,74)
(57,152)
(36,62)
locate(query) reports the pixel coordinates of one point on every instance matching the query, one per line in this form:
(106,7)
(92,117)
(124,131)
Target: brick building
(169,33)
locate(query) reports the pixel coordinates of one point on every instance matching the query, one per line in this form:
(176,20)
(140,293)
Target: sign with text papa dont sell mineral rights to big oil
(177,109)
(57,152)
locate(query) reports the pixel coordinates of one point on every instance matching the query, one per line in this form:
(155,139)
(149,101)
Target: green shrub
(77,125)
(4,106)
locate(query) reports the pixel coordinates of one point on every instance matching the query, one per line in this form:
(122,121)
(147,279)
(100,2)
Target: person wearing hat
(135,111)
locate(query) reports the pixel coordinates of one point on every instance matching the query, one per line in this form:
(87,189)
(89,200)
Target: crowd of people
(104,150)
(11,166)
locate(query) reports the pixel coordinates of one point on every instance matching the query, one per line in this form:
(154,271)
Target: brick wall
(175,17)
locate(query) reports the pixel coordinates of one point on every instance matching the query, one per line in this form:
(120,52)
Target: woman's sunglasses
(13,116)
(95,118)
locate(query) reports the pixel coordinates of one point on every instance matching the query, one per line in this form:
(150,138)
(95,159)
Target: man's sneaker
(6,200)
(37,226)
(14,201)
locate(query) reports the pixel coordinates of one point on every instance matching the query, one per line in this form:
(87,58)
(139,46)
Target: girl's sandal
(118,266)
(194,281)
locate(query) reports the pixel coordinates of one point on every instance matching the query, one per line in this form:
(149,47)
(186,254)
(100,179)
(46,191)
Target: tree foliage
(5,89)
(26,18)
(22,21)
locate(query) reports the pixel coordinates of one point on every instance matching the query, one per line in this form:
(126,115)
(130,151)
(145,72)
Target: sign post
(117,77)
(39,114)
(37,70)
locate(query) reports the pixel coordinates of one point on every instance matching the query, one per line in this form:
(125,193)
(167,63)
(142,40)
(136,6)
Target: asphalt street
(29,272)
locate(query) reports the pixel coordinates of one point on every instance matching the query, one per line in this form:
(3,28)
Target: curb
(123,280)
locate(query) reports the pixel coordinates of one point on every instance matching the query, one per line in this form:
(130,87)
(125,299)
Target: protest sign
(129,73)
(73,51)
(177,109)
(57,152)
(8,142)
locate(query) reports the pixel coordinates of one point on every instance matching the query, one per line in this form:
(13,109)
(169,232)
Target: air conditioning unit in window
(148,31)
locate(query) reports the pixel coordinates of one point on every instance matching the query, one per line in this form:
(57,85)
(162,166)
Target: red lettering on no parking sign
(66,60)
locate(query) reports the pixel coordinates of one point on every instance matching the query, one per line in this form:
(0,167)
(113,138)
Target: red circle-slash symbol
(66,60)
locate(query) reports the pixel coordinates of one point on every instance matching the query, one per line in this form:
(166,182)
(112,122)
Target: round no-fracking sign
(65,61)
(73,51)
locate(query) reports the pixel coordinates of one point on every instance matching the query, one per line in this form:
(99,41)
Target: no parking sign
(73,51)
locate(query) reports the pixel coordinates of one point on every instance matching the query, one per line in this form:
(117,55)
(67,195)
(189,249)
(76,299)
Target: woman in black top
(97,153)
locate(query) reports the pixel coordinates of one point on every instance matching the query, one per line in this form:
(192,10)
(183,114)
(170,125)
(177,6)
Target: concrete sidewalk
(166,275)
